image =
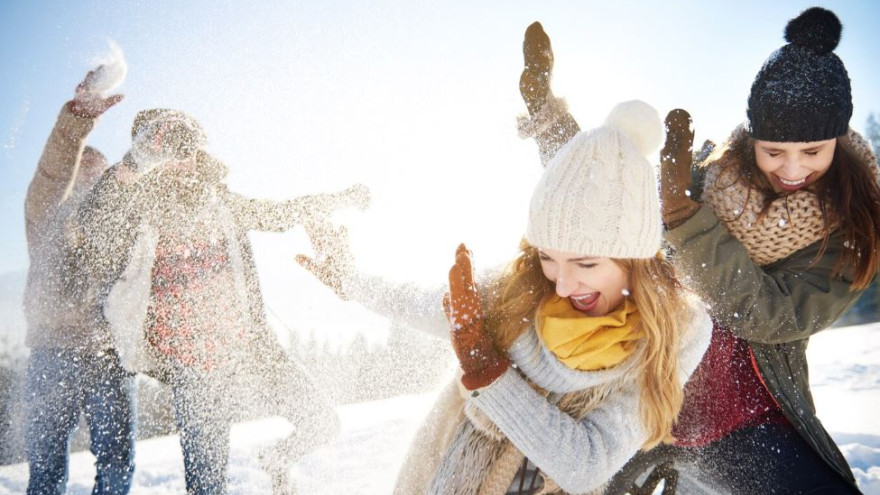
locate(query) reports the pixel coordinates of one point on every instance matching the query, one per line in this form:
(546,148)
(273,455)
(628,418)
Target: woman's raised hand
(481,362)
(88,102)
(676,160)
(549,121)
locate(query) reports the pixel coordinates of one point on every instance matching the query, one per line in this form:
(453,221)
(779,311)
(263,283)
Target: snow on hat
(161,135)
(802,93)
(598,196)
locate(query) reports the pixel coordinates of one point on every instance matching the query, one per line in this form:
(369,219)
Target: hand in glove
(89,101)
(675,170)
(534,83)
(481,362)
(550,123)
(333,262)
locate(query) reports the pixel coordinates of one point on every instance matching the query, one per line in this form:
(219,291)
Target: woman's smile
(792,185)
(585,302)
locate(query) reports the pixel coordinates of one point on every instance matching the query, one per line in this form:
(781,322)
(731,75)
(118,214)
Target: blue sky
(415,99)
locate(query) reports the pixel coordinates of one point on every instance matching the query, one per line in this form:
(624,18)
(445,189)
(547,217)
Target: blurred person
(180,290)
(73,368)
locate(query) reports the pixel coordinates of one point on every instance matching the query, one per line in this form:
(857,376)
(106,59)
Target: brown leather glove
(549,121)
(481,362)
(534,83)
(676,161)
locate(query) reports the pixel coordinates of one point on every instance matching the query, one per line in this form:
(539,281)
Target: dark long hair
(848,192)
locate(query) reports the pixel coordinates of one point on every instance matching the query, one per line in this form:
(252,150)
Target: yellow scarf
(588,343)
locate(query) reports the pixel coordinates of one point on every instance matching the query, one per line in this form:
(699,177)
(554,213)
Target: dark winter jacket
(775,309)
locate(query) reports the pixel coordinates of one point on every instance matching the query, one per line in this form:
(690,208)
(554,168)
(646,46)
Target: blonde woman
(574,357)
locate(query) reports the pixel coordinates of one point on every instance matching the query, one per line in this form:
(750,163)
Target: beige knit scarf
(482,461)
(790,223)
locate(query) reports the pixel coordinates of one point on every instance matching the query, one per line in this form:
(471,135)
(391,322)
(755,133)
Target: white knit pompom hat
(598,196)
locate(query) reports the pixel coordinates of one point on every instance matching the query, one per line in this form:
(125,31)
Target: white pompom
(111,70)
(640,122)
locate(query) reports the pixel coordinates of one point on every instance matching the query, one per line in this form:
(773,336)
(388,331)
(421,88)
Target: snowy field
(845,372)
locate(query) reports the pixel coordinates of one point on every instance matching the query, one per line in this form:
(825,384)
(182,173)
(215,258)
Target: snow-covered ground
(845,378)
(364,458)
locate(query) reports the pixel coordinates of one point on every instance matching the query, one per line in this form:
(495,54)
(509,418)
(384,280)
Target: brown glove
(534,83)
(481,362)
(549,121)
(676,160)
(89,103)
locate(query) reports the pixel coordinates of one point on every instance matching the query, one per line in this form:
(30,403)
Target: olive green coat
(775,309)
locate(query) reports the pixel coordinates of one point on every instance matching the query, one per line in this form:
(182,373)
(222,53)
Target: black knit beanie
(802,93)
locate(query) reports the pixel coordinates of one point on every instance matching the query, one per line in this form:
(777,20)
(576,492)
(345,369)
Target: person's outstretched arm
(279,216)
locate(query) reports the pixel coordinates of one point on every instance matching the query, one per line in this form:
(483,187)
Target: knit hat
(802,93)
(160,135)
(598,196)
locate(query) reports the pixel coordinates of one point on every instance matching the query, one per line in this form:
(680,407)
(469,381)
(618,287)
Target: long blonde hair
(513,298)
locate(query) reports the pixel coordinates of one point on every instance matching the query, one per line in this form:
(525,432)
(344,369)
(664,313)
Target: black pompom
(816,28)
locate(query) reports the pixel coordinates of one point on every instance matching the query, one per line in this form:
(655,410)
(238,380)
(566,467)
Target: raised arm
(549,121)
(59,162)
